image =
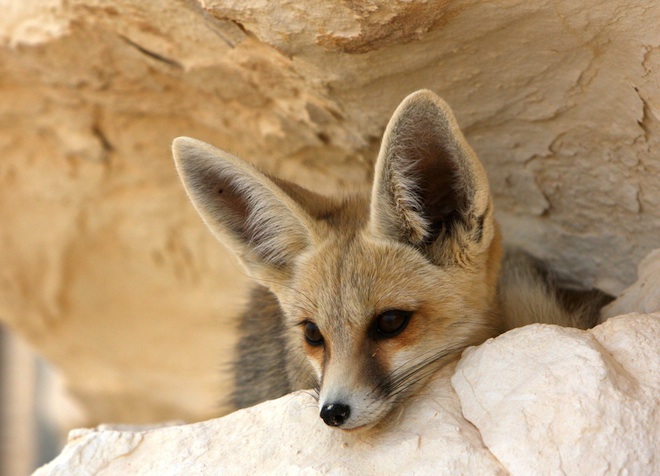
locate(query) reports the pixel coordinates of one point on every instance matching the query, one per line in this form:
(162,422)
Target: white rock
(286,436)
(644,295)
(551,400)
(545,400)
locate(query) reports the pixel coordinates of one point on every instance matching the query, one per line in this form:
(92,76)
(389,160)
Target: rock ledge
(540,399)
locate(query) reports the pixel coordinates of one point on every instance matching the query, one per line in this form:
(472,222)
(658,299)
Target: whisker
(387,378)
(303,373)
(411,373)
(424,364)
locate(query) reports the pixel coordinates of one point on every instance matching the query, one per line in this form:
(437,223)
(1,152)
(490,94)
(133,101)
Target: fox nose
(335,414)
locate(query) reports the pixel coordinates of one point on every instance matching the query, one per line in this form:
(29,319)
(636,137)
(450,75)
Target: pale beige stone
(106,269)
(552,400)
(643,295)
(545,400)
(286,436)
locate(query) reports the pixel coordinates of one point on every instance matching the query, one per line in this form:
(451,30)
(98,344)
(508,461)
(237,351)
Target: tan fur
(424,245)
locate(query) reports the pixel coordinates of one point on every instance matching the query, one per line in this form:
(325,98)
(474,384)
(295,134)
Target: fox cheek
(316,358)
(318,368)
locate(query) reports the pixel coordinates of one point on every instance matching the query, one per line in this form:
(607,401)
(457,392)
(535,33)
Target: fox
(364,297)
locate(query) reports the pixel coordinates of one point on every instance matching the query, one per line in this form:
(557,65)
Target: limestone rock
(559,400)
(644,295)
(538,400)
(105,267)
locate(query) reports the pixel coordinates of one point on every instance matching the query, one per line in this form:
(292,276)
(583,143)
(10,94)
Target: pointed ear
(243,207)
(430,190)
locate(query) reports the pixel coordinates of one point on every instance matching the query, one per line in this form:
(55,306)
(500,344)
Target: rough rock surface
(644,295)
(538,400)
(108,272)
(567,401)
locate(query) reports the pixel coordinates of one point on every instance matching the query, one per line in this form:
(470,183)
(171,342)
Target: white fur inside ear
(241,206)
(428,181)
(406,197)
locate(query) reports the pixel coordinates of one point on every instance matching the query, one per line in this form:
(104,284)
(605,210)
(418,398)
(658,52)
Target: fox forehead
(344,282)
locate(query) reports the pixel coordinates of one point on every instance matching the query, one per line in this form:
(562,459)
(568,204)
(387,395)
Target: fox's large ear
(429,187)
(246,210)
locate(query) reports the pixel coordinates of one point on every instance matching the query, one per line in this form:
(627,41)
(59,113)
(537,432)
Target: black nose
(334,414)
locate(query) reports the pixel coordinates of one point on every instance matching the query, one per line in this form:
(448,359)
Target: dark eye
(313,334)
(391,323)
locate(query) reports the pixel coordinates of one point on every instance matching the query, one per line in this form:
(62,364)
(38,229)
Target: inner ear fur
(259,219)
(429,187)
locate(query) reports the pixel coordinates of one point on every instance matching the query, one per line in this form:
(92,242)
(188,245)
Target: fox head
(378,291)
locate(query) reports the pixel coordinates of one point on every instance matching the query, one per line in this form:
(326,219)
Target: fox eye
(391,323)
(313,334)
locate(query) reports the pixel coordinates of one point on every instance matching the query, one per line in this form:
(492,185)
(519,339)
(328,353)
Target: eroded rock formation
(109,273)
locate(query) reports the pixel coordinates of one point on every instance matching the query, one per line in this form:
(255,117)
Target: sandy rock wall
(104,265)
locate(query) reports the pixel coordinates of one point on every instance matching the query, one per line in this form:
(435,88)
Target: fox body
(364,297)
